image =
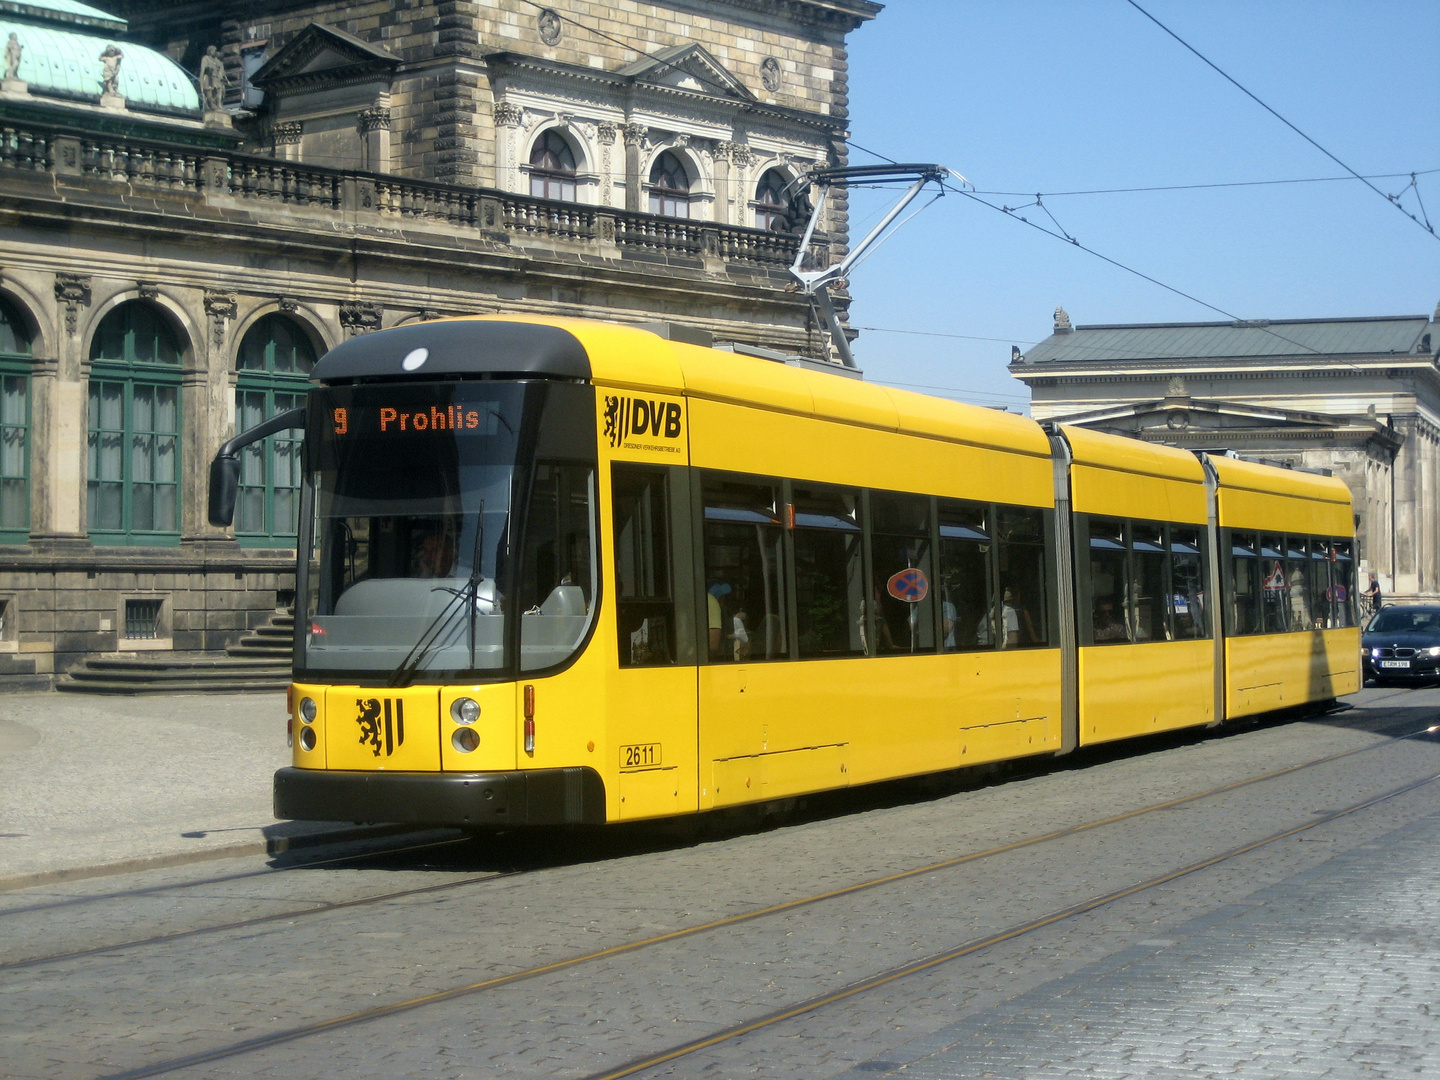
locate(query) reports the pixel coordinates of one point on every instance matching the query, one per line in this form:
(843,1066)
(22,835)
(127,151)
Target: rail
(225,178)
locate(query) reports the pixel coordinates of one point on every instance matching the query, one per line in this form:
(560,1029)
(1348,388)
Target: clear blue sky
(1067,96)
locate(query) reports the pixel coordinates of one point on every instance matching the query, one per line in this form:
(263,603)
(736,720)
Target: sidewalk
(93,784)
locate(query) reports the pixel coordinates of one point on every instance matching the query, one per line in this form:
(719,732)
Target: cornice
(501,63)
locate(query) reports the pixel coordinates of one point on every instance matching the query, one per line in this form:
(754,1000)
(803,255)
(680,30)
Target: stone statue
(212,80)
(110,71)
(13,52)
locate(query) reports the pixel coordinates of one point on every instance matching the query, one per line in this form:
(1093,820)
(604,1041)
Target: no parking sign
(911,585)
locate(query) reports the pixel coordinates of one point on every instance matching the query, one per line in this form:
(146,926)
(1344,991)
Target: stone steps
(260,660)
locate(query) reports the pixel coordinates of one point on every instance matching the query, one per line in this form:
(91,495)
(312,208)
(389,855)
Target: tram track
(328,907)
(850,989)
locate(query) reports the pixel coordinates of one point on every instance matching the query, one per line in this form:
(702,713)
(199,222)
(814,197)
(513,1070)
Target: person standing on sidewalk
(1373,595)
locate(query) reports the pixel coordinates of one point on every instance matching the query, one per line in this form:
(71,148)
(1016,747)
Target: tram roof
(628,357)
(1267,479)
(1124,454)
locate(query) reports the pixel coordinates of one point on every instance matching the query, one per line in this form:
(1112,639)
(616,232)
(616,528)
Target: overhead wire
(1073,241)
(1393,201)
(1219,184)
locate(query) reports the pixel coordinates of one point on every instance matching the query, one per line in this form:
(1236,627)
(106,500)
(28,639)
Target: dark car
(1402,642)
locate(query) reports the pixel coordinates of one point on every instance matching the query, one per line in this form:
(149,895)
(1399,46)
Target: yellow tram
(563,571)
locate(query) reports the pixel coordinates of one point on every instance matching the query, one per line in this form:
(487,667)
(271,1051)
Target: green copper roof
(63,12)
(66,63)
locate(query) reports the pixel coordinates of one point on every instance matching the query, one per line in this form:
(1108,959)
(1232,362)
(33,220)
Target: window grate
(142,618)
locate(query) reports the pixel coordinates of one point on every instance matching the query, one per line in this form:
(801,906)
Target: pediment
(1191,414)
(321,54)
(687,67)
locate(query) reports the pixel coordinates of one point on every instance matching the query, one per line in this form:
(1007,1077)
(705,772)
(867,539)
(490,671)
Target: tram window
(1297,580)
(1187,584)
(744,572)
(1245,571)
(900,582)
(965,597)
(829,574)
(1342,586)
(644,604)
(1022,618)
(1275,586)
(557,573)
(1107,582)
(1317,581)
(1148,609)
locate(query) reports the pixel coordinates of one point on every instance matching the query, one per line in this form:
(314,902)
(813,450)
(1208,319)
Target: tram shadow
(537,848)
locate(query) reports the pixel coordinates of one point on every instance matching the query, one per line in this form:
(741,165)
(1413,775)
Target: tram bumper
(574,796)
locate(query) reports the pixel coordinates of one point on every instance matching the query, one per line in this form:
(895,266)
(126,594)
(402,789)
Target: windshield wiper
(404,673)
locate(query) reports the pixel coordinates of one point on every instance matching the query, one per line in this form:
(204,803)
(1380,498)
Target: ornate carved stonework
(551,26)
(681,139)
(221,308)
(770,73)
(374,120)
(288,304)
(605,133)
(740,153)
(360,318)
(72,290)
(288,132)
(636,134)
(508,115)
(1062,322)
(148,290)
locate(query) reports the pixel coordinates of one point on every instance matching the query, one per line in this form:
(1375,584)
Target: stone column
(374,125)
(508,119)
(207,411)
(1406,480)
(605,136)
(287,136)
(60,408)
(635,137)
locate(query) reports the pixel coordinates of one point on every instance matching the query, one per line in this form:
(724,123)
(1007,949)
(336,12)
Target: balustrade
(257,179)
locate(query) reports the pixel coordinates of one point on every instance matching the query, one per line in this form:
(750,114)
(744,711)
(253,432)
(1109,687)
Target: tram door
(653,702)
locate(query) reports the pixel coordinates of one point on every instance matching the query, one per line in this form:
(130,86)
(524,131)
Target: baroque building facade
(1358,398)
(200,199)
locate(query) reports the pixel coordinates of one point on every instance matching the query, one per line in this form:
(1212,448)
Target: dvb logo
(626,417)
(387,733)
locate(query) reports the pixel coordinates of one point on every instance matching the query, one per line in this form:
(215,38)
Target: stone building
(178,248)
(1359,397)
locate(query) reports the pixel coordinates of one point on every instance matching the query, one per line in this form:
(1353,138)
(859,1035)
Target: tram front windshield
(413,531)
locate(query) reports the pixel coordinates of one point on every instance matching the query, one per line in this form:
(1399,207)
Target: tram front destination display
(559,571)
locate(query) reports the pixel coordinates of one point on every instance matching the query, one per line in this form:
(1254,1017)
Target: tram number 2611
(640,755)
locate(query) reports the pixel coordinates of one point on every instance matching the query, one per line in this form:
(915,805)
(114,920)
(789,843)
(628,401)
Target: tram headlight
(465,710)
(307,710)
(307,738)
(465,739)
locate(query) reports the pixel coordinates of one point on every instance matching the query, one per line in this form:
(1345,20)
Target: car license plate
(1395,663)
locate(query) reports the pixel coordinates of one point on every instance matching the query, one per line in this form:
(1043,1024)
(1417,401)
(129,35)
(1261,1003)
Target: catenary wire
(1392,200)
(1091,251)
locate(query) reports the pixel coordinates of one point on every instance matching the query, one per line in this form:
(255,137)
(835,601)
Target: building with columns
(200,199)
(1356,397)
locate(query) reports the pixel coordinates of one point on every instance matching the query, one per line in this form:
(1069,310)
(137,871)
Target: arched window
(133,489)
(275,358)
(552,168)
(14,427)
(669,187)
(772,205)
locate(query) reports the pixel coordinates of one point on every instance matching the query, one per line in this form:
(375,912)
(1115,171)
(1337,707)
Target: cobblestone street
(600,955)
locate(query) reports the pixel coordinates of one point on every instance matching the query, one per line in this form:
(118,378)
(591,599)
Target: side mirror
(224,489)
